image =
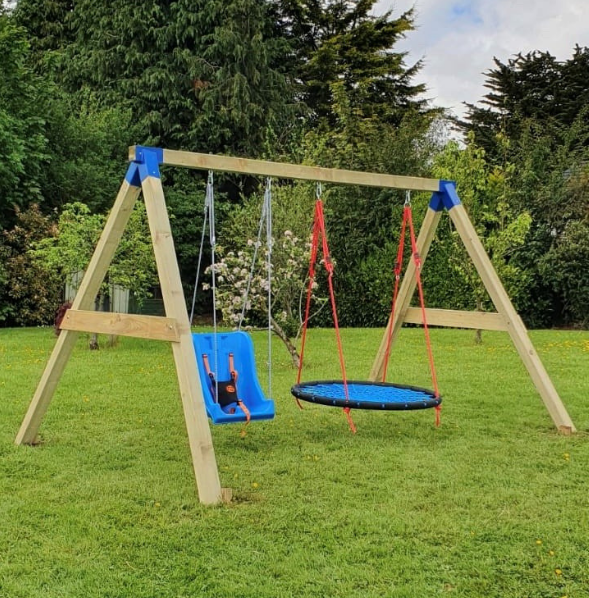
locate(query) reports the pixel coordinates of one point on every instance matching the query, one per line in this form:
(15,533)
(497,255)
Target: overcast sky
(458,38)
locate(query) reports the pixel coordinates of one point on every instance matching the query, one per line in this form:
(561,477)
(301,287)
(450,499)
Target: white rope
(268,202)
(200,252)
(265,218)
(210,200)
(257,245)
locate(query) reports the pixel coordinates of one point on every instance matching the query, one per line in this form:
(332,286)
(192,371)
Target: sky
(459,38)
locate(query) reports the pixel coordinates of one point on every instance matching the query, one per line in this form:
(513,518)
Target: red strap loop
(398,267)
(408,219)
(417,260)
(320,232)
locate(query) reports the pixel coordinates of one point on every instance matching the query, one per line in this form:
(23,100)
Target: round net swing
(348,394)
(366,395)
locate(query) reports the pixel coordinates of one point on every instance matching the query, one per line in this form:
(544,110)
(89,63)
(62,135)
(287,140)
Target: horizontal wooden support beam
(478,320)
(293,171)
(150,327)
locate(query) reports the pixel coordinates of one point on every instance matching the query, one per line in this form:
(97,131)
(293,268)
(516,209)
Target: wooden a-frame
(144,175)
(506,318)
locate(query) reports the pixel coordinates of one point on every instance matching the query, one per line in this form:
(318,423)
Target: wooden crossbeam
(149,327)
(293,171)
(478,320)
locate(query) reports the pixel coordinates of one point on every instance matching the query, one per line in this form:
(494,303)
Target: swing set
(204,386)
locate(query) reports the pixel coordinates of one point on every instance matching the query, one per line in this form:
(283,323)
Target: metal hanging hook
(318,191)
(268,188)
(407,198)
(209,191)
(210,199)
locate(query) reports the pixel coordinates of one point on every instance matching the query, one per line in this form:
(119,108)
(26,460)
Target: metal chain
(210,200)
(268,203)
(257,245)
(200,252)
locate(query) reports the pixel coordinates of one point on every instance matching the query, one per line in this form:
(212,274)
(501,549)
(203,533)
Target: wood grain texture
(85,297)
(199,433)
(149,327)
(514,325)
(478,320)
(293,171)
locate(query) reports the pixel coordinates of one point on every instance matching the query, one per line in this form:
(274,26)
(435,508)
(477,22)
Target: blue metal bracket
(445,198)
(149,159)
(133,177)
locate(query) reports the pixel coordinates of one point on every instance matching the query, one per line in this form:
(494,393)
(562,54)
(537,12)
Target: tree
(343,42)
(535,119)
(23,145)
(48,31)
(29,293)
(483,191)
(198,75)
(551,183)
(70,250)
(52,150)
(240,87)
(565,267)
(89,145)
(529,87)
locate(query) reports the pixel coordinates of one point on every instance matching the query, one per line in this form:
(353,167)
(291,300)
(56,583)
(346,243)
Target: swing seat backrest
(248,387)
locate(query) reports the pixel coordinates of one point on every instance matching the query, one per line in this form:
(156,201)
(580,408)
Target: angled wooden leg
(85,298)
(515,326)
(199,433)
(406,290)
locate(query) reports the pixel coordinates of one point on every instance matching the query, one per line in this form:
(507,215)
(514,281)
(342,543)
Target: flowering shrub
(290,259)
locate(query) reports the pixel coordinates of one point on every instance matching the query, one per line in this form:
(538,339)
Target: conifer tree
(342,42)
(532,87)
(47,25)
(198,74)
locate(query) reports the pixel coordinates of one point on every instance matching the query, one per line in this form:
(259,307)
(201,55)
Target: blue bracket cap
(445,198)
(149,160)
(133,177)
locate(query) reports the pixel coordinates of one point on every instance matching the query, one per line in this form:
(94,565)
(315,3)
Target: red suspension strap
(312,262)
(398,266)
(320,232)
(408,219)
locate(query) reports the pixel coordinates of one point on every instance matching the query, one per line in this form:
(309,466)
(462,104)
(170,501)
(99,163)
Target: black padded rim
(304,392)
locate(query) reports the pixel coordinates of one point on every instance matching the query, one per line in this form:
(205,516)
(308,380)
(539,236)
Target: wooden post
(406,290)
(515,326)
(199,433)
(85,297)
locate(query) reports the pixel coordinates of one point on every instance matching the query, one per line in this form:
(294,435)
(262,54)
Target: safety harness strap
(227,389)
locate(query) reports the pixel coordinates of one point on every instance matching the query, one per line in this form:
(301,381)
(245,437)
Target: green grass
(106,505)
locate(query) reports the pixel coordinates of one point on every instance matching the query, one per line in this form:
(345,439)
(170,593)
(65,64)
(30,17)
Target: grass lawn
(494,503)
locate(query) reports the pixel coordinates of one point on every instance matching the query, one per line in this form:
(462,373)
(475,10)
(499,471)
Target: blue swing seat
(366,395)
(248,388)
